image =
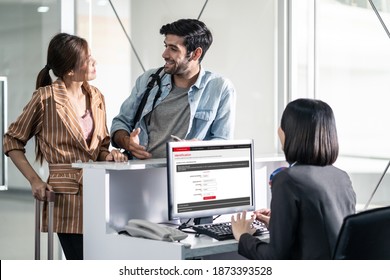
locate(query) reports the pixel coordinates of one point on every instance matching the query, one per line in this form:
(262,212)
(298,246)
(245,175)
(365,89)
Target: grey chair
(365,236)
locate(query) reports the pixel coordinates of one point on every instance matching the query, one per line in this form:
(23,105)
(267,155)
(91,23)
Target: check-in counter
(117,192)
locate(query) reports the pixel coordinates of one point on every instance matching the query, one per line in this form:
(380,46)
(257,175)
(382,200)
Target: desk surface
(149,163)
(204,245)
(197,246)
(129,165)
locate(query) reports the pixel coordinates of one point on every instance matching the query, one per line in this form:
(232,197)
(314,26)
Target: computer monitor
(208,178)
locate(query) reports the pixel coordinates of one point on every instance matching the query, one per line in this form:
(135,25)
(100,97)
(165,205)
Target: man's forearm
(120,138)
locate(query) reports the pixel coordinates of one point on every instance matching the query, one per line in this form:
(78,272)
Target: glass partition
(340,54)
(353,72)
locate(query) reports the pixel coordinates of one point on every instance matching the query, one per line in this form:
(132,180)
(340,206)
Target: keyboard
(223,231)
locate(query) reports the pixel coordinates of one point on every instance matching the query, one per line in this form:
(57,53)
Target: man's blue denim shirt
(212,102)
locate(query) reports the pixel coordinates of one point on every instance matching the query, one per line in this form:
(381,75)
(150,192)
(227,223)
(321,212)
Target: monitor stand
(203,220)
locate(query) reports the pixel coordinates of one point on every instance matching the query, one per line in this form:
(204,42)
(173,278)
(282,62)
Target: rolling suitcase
(50,196)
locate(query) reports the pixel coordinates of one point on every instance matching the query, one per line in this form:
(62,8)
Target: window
(340,54)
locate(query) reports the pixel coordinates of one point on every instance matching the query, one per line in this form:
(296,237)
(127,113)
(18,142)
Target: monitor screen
(207,178)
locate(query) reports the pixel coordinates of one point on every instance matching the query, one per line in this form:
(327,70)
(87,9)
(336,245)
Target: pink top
(86,123)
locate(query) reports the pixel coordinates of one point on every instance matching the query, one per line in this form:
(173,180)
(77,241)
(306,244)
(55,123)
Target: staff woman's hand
(241,225)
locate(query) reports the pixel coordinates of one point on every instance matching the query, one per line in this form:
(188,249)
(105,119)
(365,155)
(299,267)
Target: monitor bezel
(172,215)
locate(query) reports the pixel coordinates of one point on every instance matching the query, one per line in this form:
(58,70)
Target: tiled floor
(17,227)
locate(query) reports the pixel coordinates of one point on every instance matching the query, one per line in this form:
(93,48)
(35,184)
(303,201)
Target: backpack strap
(155,77)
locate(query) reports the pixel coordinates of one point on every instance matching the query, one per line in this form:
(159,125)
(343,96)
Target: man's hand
(132,145)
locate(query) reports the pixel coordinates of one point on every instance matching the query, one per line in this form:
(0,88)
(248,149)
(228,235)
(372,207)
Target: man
(190,103)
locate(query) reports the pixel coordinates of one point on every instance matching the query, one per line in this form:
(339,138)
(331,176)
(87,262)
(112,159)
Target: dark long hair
(65,53)
(195,34)
(310,132)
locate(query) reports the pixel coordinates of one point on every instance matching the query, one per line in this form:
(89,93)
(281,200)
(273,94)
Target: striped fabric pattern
(50,117)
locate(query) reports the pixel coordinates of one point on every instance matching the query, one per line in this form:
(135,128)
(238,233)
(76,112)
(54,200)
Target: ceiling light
(43,9)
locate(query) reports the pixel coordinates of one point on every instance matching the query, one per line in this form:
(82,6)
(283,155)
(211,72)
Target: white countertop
(131,164)
(146,164)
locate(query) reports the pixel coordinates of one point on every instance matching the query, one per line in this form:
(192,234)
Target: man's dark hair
(310,133)
(195,34)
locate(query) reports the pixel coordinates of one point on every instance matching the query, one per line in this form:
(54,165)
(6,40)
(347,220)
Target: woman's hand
(241,225)
(117,156)
(39,188)
(263,215)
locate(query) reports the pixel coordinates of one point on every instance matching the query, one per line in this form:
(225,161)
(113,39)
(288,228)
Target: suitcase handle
(50,197)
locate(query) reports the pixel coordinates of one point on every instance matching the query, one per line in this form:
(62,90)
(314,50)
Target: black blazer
(308,206)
